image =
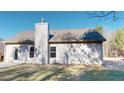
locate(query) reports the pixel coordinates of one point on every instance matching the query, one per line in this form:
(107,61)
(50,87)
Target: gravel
(114,64)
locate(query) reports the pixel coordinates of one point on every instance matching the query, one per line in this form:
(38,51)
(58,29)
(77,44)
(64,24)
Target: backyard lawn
(59,72)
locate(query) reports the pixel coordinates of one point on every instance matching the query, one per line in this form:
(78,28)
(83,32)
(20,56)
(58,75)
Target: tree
(106,15)
(119,39)
(99,29)
(116,43)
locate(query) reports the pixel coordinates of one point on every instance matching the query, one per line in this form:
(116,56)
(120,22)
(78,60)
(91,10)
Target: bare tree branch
(104,15)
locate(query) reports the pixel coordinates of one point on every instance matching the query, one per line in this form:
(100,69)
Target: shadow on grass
(53,72)
(59,74)
(21,72)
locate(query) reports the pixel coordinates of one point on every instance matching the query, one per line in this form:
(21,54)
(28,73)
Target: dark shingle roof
(75,35)
(64,35)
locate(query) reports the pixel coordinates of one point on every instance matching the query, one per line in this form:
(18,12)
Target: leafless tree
(112,16)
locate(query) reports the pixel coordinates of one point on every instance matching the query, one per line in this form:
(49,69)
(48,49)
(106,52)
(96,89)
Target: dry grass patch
(52,72)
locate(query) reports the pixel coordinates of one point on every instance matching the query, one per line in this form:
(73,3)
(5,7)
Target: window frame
(31,52)
(52,52)
(16,53)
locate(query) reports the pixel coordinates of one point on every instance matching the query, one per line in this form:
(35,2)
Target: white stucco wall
(23,54)
(79,53)
(87,53)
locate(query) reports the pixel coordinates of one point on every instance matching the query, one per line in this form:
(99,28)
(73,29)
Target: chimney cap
(42,20)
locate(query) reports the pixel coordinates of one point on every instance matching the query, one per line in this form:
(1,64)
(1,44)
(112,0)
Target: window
(52,52)
(16,54)
(31,52)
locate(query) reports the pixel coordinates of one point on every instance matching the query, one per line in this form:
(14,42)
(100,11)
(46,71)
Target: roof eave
(16,42)
(76,41)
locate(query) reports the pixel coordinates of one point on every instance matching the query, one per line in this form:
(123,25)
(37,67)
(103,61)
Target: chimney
(41,42)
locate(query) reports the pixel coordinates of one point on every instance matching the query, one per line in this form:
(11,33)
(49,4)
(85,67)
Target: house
(45,46)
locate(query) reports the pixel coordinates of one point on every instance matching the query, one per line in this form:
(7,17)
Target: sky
(12,23)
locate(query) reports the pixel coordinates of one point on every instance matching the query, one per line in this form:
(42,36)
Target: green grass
(104,75)
(29,72)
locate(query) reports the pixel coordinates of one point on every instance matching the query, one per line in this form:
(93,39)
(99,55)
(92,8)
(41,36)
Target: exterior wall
(78,53)
(41,43)
(87,53)
(23,54)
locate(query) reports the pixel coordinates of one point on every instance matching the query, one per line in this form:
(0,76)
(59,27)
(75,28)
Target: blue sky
(12,23)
